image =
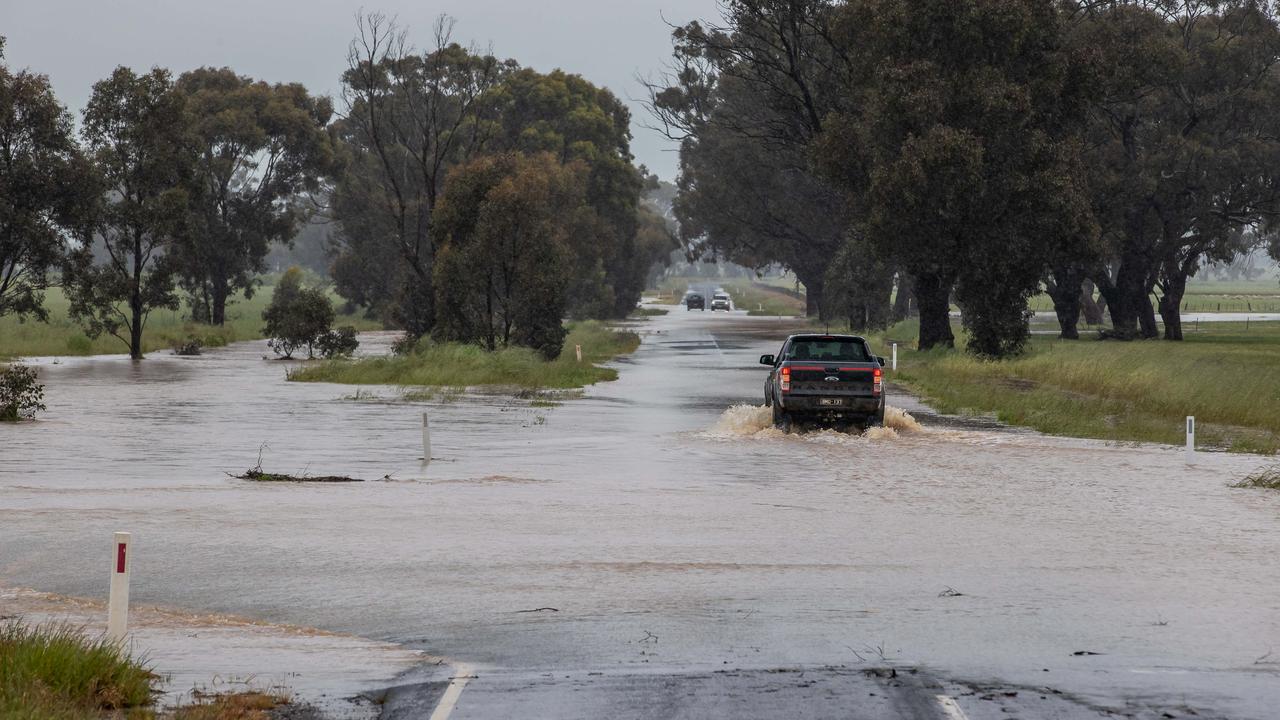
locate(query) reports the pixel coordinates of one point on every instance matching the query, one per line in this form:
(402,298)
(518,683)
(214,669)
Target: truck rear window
(829,350)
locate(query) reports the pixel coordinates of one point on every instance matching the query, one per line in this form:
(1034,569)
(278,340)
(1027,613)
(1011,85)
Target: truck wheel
(877,420)
(781,418)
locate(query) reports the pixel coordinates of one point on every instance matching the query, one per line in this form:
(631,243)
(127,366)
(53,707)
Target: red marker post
(118,602)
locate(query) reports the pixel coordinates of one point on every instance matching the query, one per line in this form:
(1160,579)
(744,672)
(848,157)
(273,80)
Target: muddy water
(661,504)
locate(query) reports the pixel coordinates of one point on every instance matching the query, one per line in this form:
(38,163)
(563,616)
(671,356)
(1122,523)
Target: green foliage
(297,316)
(576,122)
(337,343)
(257,147)
(1183,152)
(960,153)
(55,672)
(134,131)
(433,363)
(409,118)
(857,287)
(747,99)
(43,192)
(505,225)
(20,395)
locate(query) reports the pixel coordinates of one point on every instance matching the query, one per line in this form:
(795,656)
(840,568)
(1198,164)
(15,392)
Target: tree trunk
(933,293)
(1064,290)
(1092,310)
(1170,306)
(218,292)
(1126,296)
(1147,317)
(1066,305)
(902,301)
(813,295)
(135,300)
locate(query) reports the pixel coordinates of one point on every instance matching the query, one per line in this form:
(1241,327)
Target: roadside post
(426,440)
(577,350)
(118,601)
(895,357)
(1191,437)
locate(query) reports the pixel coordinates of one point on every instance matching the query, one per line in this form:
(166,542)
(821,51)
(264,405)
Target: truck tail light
(876,381)
(785,384)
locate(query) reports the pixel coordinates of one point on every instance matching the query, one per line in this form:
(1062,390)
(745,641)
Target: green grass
(1225,376)
(62,336)
(648,312)
(763,299)
(55,672)
(453,364)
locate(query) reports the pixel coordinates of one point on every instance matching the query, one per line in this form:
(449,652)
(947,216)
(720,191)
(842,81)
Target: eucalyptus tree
(135,134)
(44,189)
(957,153)
(259,151)
(1184,148)
(408,117)
(747,98)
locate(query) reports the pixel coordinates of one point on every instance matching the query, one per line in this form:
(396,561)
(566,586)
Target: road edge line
(461,676)
(949,706)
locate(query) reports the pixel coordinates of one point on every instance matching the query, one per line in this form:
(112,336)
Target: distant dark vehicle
(695,301)
(831,380)
(720,301)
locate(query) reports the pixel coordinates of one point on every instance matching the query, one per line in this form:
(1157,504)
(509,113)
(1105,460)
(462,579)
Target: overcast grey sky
(77,42)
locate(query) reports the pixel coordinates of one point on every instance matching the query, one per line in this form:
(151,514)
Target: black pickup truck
(825,379)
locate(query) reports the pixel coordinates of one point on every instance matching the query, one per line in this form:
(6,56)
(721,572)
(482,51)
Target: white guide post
(1191,437)
(426,440)
(895,357)
(577,349)
(118,602)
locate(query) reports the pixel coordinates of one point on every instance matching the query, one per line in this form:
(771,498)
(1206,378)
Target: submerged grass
(1225,376)
(1266,479)
(453,365)
(56,672)
(164,330)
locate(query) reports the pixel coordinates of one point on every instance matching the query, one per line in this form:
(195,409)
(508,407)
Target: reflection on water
(660,503)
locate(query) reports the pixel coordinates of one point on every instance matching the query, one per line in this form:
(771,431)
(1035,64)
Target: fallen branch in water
(258,475)
(541,609)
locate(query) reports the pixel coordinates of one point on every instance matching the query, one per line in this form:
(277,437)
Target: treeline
(979,151)
(467,197)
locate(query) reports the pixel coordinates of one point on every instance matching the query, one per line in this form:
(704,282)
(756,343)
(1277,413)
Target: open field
(1225,376)
(1212,296)
(62,336)
(453,364)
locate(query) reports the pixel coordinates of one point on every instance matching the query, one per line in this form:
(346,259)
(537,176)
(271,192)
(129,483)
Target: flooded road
(655,526)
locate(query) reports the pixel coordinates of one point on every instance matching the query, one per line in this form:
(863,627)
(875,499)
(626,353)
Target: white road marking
(461,676)
(951,708)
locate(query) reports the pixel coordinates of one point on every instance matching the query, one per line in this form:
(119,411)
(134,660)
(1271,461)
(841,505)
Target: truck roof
(817,336)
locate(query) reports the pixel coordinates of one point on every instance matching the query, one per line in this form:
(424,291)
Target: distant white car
(721,301)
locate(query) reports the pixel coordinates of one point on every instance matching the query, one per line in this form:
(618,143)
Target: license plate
(830,401)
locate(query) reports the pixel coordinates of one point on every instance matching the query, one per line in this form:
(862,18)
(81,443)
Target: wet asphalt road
(699,563)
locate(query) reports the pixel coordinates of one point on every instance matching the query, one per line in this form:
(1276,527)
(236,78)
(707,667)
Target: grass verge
(1228,378)
(55,672)
(453,365)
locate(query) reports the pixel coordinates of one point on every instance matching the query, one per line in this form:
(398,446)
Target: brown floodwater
(662,504)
